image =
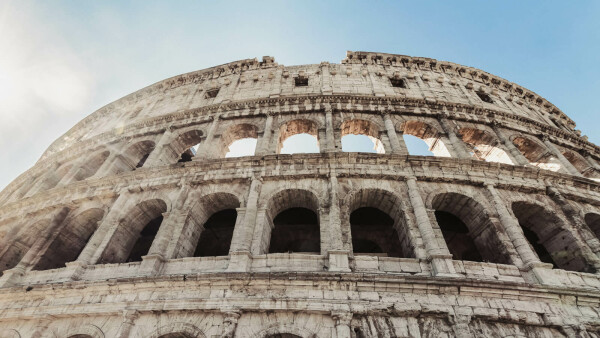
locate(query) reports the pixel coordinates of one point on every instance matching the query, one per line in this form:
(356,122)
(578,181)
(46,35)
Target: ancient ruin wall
(135,224)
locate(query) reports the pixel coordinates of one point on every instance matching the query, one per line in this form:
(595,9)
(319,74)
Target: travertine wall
(509,165)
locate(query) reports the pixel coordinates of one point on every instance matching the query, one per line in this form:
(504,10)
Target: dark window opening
(301,81)
(144,241)
(398,83)
(456,234)
(295,230)
(212,93)
(187,155)
(485,97)
(142,161)
(539,248)
(373,232)
(215,239)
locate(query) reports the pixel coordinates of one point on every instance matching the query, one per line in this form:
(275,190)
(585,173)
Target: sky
(62,60)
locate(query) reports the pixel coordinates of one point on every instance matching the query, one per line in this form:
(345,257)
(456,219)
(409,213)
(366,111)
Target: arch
(137,154)
(285,234)
(536,153)
(13,253)
(376,222)
(431,136)
(548,236)
(593,221)
(295,127)
(581,164)
(91,165)
(50,179)
(178,330)
(134,234)
(468,229)
(211,222)
(483,146)
(362,127)
(185,145)
(85,331)
(71,240)
(285,331)
(235,133)
(9,333)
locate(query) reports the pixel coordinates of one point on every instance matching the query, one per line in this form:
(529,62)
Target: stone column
(440,258)
(159,155)
(460,325)
(14,275)
(342,321)
(170,228)
(243,233)
(516,155)
(587,239)
(338,256)
(41,325)
(593,163)
(129,317)
(455,143)
(208,149)
(262,147)
(397,143)
(329,132)
(561,158)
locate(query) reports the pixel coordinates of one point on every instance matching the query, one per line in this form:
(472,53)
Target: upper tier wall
(361,73)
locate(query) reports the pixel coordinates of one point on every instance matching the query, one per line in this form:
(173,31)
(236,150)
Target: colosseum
(135,223)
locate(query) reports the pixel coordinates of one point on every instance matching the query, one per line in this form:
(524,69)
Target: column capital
(342,317)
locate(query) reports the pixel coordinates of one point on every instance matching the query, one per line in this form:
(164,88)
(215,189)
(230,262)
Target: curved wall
(134,224)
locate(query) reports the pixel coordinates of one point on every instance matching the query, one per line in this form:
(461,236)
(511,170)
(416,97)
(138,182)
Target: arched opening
(536,154)
(416,132)
(177,335)
(239,140)
(186,145)
(361,136)
(295,230)
(49,180)
(80,336)
(294,220)
(373,233)
(581,164)
(71,240)
(215,239)
(484,146)
(298,136)
(282,335)
(134,157)
(376,224)
(593,221)
(548,237)
(468,229)
(91,166)
(210,226)
(14,252)
(135,233)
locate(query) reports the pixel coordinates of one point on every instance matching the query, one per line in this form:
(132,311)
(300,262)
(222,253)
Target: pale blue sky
(61,60)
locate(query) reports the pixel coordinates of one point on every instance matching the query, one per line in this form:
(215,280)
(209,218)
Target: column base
(11,277)
(538,272)
(442,266)
(239,261)
(74,270)
(338,261)
(151,265)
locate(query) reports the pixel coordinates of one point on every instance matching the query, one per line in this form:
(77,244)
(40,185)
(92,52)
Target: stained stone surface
(134,224)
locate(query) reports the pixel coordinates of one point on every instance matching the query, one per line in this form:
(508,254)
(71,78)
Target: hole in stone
(416,146)
(242,147)
(301,81)
(398,83)
(373,233)
(215,239)
(212,93)
(456,235)
(485,97)
(296,230)
(144,241)
(300,143)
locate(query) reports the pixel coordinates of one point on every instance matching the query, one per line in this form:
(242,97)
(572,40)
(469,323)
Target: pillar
(14,275)
(338,255)
(587,238)
(516,156)
(342,321)
(455,143)
(397,144)
(440,258)
(330,145)
(262,147)
(129,317)
(561,158)
(535,269)
(208,149)
(243,233)
(160,155)
(230,323)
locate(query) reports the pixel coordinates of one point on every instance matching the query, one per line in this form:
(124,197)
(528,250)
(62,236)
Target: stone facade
(121,230)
